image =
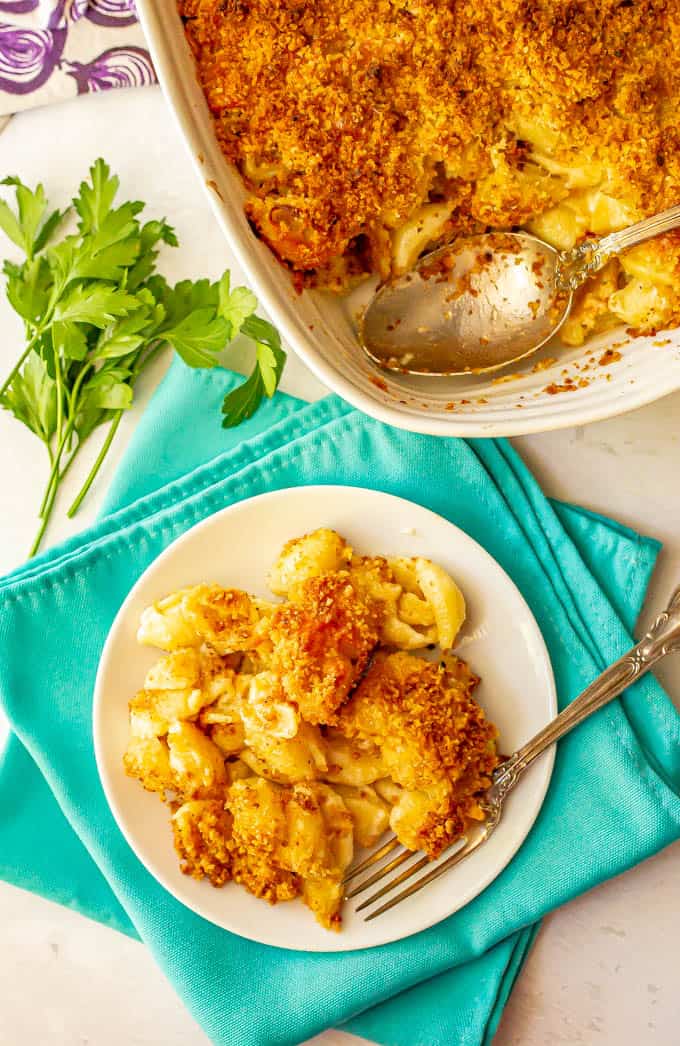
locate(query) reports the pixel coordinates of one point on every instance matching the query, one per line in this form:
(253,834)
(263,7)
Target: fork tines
(462,848)
(372,859)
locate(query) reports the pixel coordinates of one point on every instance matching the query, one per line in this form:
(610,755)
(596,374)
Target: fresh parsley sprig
(243,401)
(96,313)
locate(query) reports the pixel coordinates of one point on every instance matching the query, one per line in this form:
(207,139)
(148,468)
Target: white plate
(236,547)
(321,327)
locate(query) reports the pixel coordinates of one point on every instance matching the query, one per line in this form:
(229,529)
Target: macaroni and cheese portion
(368,131)
(284,735)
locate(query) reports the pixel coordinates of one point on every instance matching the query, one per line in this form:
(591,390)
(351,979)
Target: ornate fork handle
(662,638)
(586,258)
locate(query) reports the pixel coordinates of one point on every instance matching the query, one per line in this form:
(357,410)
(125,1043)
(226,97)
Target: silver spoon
(485,301)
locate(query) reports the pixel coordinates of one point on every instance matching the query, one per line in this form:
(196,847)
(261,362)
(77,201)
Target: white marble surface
(605,967)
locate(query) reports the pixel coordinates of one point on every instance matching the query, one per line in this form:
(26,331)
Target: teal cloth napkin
(613,798)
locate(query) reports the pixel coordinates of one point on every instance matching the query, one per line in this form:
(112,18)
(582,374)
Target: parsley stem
(51,494)
(67,466)
(47,505)
(63,438)
(54,477)
(97,465)
(73,395)
(140,363)
(60,402)
(70,461)
(54,471)
(38,537)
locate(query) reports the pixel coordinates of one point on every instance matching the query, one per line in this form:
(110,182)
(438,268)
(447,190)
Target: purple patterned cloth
(51,50)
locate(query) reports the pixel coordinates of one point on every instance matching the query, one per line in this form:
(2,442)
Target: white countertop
(605,968)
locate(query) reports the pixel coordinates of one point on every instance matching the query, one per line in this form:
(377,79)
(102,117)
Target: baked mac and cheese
(368,131)
(284,735)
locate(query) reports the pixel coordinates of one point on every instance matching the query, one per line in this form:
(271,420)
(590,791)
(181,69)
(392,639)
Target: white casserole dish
(319,326)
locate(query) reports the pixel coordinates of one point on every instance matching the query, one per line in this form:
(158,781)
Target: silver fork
(662,638)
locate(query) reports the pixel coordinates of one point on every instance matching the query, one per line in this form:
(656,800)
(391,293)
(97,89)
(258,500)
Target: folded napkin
(51,50)
(613,799)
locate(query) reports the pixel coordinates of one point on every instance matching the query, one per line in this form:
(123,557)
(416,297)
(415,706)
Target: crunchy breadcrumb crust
(434,739)
(346,115)
(202,835)
(321,643)
(259,832)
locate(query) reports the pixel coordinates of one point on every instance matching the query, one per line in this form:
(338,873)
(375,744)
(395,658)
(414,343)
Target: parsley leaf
(235,306)
(48,229)
(28,288)
(108,389)
(10,225)
(152,233)
(29,229)
(184,298)
(268,364)
(95,198)
(123,337)
(242,402)
(32,398)
(89,417)
(69,340)
(61,260)
(107,263)
(262,331)
(95,303)
(198,337)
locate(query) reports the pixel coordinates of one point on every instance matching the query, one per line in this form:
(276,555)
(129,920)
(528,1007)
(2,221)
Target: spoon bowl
(472,306)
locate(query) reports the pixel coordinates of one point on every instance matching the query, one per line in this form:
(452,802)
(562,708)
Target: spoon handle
(616,242)
(661,639)
(576,265)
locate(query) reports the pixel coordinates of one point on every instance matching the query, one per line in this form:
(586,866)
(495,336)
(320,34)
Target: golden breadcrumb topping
(259,832)
(321,643)
(434,738)
(346,116)
(202,832)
